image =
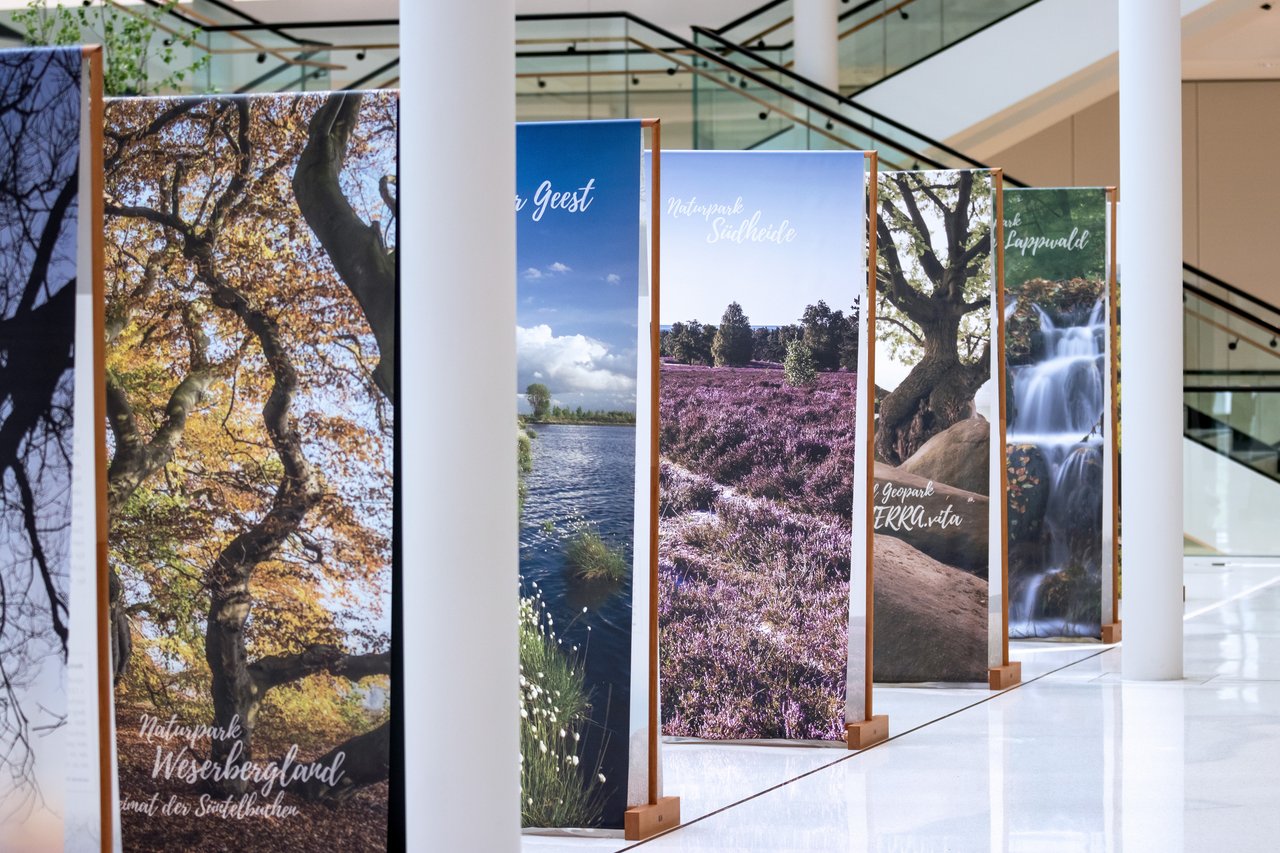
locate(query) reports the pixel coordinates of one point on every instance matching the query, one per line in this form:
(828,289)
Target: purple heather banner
(582,528)
(938,548)
(763,265)
(1057,347)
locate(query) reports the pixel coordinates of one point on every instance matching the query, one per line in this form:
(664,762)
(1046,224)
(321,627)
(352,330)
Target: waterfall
(1058,403)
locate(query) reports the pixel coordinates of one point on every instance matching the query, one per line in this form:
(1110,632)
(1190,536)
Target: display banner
(763,266)
(49,637)
(938,618)
(578,237)
(1057,345)
(251,390)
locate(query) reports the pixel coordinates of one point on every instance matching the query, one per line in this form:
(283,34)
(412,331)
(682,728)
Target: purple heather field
(756,494)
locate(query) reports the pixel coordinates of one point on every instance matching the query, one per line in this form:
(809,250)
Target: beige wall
(1231,173)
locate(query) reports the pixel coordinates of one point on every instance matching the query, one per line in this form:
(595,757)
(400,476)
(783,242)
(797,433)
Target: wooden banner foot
(647,821)
(1111,633)
(867,733)
(1004,677)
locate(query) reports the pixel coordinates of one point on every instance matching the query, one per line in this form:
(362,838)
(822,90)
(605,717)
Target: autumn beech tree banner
(50,334)
(251,391)
(583,508)
(763,267)
(1058,350)
(936,512)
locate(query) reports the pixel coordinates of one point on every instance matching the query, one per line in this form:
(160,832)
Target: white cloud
(571,363)
(613,278)
(533,273)
(559,267)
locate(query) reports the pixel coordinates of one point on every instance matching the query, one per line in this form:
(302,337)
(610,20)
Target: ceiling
(1246,45)
(277,11)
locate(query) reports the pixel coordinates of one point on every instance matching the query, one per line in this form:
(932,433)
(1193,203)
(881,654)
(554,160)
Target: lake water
(587,473)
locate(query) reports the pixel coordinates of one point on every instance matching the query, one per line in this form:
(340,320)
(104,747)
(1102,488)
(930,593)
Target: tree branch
(276,670)
(355,248)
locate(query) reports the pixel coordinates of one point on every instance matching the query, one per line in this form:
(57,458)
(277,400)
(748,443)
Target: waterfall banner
(1057,347)
(937,482)
(763,271)
(584,517)
(251,388)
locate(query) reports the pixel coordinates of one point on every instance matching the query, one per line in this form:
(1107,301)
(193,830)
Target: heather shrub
(753,623)
(786,444)
(754,584)
(680,491)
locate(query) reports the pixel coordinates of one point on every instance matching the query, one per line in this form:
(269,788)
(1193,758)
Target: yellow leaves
(330,581)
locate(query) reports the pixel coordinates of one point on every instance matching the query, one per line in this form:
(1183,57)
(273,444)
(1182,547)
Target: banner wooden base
(1004,677)
(648,820)
(867,733)
(1111,633)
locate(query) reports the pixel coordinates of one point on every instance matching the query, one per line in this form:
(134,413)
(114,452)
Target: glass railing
(878,38)
(238,53)
(710,95)
(1231,397)
(1231,372)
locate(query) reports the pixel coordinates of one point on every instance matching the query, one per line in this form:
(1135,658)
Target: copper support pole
(655,266)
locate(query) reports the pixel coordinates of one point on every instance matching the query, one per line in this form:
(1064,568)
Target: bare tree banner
(251,389)
(936,403)
(48,573)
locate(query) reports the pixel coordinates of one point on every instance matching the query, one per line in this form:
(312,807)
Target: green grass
(524,464)
(556,788)
(591,558)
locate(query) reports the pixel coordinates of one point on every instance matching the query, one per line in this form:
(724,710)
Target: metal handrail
(1235,291)
(1271,329)
(684,46)
(988,25)
(849,102)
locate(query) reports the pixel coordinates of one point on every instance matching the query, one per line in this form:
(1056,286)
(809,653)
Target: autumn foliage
(250,304)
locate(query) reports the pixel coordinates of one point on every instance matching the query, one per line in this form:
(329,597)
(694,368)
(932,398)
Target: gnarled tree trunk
(356,249)
(939,389)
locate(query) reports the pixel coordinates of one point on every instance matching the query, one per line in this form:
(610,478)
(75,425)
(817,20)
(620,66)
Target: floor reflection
(1074,759)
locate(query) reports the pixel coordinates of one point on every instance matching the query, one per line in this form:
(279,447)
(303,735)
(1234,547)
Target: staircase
(714,93)
(1231,389)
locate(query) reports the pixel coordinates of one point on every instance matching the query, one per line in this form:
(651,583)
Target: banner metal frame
(660,814)
(1111,631)
(1008,673)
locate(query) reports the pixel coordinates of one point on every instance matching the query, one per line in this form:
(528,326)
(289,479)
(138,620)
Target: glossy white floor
(1073,759)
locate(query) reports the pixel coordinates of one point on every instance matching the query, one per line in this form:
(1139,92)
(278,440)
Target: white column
(1151,338)
(457,411)
(816,42)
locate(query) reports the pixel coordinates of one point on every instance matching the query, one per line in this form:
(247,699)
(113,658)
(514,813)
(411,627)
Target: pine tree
(732,344)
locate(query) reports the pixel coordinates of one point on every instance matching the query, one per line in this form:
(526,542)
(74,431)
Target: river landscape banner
(251,391)
(578,233)
(937,402)
(49,714)
(763,266)
(1057,347)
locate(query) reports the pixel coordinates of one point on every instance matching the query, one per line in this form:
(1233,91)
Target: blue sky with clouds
(709,259)
(577,261)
